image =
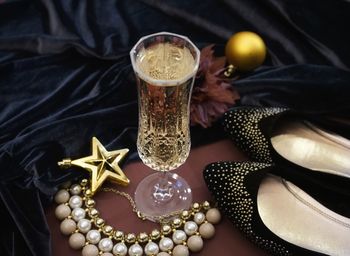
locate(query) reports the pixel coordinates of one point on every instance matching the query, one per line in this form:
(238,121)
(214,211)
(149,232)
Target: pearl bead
(166,244)
(75,202)
(106,254)
(190,227)
(180,250)
(135,250)
(213,216)
(179,236)
(199,218)
(78,214)
(76,241)
(93,236)
(90,250)
(84,225)
(75,189)
(151,248)
(62,196)
(207,230)
(120,249)
(62,211)
(195,243)
(68,226)
(105,245)
(163,254)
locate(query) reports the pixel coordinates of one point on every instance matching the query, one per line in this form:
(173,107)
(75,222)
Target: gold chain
(127,196)
(163,219)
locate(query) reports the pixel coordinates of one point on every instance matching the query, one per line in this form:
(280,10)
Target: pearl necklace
(179,234)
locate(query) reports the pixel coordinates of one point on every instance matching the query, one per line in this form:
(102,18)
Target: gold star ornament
(103,165)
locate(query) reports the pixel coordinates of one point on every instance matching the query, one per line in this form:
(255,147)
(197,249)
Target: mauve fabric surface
(117,211)
(65,76)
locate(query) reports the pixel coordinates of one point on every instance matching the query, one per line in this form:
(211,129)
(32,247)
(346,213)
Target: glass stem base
(162,194)
(163,191)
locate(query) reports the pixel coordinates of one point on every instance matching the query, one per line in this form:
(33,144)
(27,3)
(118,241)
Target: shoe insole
(297,218)
(313,148)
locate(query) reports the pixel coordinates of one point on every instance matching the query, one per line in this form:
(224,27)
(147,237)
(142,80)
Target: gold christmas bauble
(245,51)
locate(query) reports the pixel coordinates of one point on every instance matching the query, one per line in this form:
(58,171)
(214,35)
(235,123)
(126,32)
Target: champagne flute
(165,65)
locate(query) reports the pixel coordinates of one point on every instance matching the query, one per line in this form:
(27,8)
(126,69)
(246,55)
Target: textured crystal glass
(165,65)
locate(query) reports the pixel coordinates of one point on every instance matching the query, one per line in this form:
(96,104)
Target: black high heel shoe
(275,214)
(285,138)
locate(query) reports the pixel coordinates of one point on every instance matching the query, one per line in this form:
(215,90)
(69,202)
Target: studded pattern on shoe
(226,181)
(242,125)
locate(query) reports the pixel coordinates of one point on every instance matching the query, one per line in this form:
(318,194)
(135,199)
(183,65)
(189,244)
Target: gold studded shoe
(244,126)
(275,214)
(307,153)
(252,128)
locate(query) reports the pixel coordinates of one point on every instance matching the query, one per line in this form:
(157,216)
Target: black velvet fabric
(65,76)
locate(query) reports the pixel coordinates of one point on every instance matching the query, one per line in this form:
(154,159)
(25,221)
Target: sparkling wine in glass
(165,65)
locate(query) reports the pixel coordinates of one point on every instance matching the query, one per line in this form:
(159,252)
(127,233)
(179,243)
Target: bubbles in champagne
(164,137)
(165,61)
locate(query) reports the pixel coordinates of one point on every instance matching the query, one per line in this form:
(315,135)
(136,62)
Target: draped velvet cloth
(65,76)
